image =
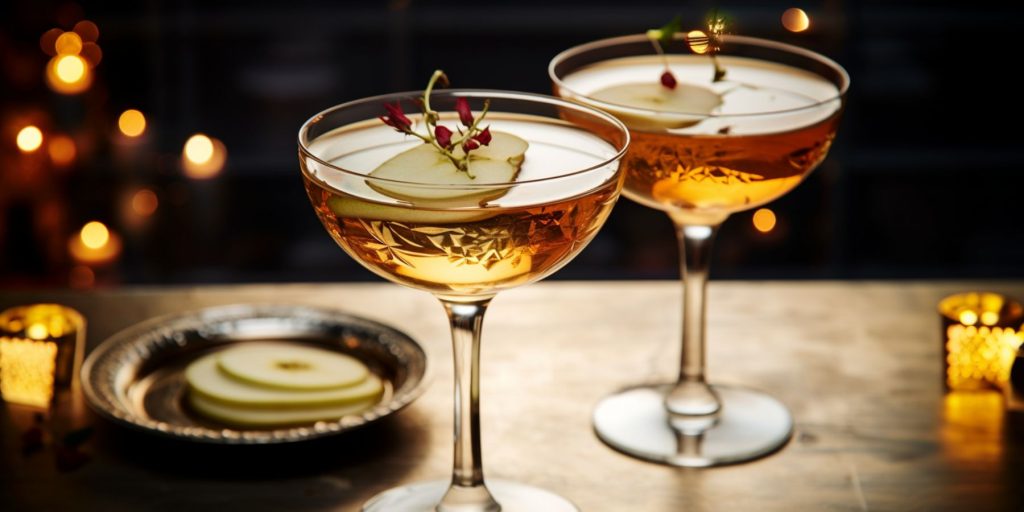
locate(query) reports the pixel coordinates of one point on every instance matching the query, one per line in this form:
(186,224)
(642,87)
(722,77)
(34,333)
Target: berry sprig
(663,35)
(708,41)
(469,136)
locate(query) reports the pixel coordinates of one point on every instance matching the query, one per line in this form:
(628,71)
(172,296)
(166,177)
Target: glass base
(424,497)
(750,425)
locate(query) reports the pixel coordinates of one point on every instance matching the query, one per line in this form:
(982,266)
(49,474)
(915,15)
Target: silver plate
(136,376)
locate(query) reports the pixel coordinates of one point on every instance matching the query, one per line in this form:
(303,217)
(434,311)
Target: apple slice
(447,186)
(205,378)
(351,207)
(287,366)
(249,417)
(684,106)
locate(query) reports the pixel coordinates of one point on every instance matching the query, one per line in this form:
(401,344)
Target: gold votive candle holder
(41,348)
(982,334)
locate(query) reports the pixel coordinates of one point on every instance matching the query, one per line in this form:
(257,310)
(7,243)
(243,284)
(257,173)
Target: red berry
(668,80)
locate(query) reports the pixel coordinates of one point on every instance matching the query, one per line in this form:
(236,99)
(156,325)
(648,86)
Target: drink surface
(769,126)
(480,240)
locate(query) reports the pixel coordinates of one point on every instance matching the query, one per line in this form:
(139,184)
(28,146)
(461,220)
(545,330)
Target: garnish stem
(440,137)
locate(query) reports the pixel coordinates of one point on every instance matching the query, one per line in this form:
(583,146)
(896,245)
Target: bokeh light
(29,139)
(94,244)
(68,74)
(48,41)
(764,220)
(698,41)
(70,68)
(37,331)
(95,235)
(81,276)
(68,43)
(132,123)
(62,150)
(795,20)
(87,30)
(92,53)
(203,157)
(145,202)
(199,149)
(968,317)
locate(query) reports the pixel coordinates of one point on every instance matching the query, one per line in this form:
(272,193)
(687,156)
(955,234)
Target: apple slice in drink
(205,378)
(684,106)
(288,366)
(435,187)
(350,207)
(255,417)
(438,183)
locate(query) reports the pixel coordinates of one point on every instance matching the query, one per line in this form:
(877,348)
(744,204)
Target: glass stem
(692,397)
(467,492)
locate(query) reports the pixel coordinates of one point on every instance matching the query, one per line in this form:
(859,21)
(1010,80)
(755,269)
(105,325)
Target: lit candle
(982,335)
(41,348)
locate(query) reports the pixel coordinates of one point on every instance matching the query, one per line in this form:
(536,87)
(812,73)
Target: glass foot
(750,425)
(424,497)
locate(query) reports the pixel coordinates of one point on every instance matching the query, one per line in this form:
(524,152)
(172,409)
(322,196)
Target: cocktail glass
(701,152)
(465,243)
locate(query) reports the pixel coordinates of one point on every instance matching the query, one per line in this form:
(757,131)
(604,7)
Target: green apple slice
(445,185)
(249,417)
(684,106)
(205,378)
(351,207)
(287,366)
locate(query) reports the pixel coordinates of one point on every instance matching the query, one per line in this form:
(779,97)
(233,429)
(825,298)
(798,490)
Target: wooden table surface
(857,363)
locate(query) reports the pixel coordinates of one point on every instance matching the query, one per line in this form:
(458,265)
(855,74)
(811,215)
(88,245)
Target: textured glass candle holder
(41,347)
(981,336)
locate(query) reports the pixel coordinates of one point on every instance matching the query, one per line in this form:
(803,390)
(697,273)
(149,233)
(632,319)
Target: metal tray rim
(128,339)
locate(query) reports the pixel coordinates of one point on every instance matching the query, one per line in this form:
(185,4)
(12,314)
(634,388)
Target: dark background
(924,180)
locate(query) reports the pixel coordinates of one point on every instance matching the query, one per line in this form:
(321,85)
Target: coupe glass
(779,109)
(465,243)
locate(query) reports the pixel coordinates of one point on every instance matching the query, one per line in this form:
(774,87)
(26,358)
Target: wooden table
(858,364)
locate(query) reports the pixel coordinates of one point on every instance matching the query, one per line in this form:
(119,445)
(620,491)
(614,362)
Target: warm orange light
(145,202)
(48,41)
(27,371)
(203,157)
(132,123)
(92,54)
(68,74)
(88,30)
(68,43)
(697,40)
(95,235)
(980,357)
(95,244)
(29,139)
(41,347)
(795,20)
(62,150)
(764,220)
(968,317)
(70,68)
(199,149)
(989,318)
